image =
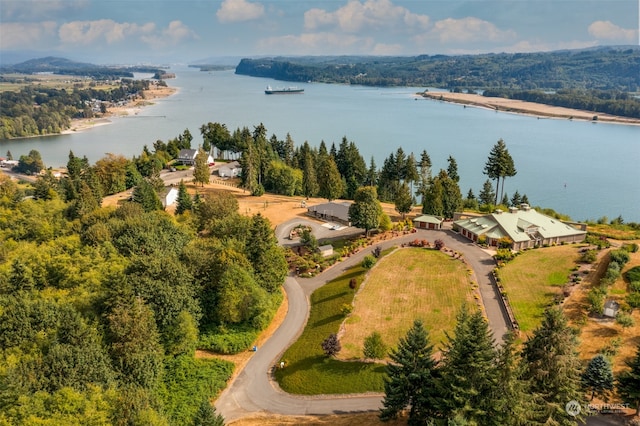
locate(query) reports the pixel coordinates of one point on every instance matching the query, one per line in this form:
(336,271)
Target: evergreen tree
(487,195)
(265,255)
(9,155)
(404,200)
(515,405)
(411,171)
(516,199)
(146,196)
(310,187)
(553,368)
(372,173)
(432,198)
(499,165)
(184,202)
(451,195)
(452,169)
(351,166)
(469,372)
(505,200)
(329,179)
(366,210)
(374,347)
(629,382)
(598,376)
(207,416)
(412,377)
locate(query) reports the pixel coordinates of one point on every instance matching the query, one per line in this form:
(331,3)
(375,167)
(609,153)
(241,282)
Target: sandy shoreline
(132,108)
(527,108)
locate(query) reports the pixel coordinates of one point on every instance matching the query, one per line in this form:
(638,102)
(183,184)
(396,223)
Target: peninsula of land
(529,108)
(155,92)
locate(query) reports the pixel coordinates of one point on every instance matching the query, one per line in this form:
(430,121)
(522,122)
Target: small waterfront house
(525,226)
(230,169)
(187,157)
(427,221)
(331,212)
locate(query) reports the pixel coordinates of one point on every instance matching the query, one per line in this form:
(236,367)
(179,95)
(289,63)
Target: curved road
(253,391)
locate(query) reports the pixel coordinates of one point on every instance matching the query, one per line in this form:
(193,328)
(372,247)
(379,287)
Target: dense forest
(598,79)
(607,68)
(101,309)
(37,110)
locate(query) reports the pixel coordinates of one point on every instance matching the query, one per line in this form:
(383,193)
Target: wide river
(586,170)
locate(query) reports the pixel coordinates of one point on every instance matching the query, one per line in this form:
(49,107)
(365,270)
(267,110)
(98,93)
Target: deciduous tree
(201,171)
(365,211)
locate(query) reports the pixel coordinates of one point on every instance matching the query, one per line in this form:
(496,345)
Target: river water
(586,170)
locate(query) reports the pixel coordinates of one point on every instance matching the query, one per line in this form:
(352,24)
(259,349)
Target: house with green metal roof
(525,226)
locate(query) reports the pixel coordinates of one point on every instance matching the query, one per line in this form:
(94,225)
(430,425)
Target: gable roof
(339,210)
(427,218)
(519,225)
(188,154)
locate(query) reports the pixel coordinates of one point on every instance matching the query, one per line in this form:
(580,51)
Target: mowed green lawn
(534,278)
(408,284)
(308,370)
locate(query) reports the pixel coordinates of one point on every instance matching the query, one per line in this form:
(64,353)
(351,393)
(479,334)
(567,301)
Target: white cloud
(356,16)
(89,32)
(175,33)
(239,10)
(606,30)
(468,30)
(15,35)
(318,43)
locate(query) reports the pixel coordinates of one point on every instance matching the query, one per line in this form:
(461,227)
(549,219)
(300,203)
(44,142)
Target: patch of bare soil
(364,419)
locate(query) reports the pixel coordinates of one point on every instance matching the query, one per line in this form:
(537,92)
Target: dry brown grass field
(410,283)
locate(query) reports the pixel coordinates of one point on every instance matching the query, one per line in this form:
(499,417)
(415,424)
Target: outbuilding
(427,221)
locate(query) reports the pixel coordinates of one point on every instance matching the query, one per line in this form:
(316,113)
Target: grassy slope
(534,278)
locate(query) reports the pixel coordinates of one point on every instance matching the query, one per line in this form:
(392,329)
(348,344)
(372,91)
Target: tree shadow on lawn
(328,320)
(321,375)
(329,298)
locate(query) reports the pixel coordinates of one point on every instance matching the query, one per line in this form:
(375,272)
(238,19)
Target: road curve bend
(253,392)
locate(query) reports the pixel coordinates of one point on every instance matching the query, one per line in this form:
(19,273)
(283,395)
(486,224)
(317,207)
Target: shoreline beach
(515,106)
(155,92)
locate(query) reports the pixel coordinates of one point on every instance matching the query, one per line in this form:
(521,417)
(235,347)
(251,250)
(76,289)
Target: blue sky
(134,31)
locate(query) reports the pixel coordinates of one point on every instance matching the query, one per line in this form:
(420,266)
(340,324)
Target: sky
(187,31)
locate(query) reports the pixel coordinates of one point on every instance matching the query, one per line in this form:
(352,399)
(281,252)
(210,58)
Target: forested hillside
(37,110)
(101,309)
(607,68)
(601,79)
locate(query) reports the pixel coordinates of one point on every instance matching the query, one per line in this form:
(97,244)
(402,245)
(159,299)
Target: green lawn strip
(308,371)
(533,279)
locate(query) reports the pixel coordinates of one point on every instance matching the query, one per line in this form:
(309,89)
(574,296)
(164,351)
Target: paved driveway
(252,391)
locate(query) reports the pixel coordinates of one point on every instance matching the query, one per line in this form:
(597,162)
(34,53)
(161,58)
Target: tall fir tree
(469,373)
(184,202)
(553,368)
(412,377)
(629,382)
